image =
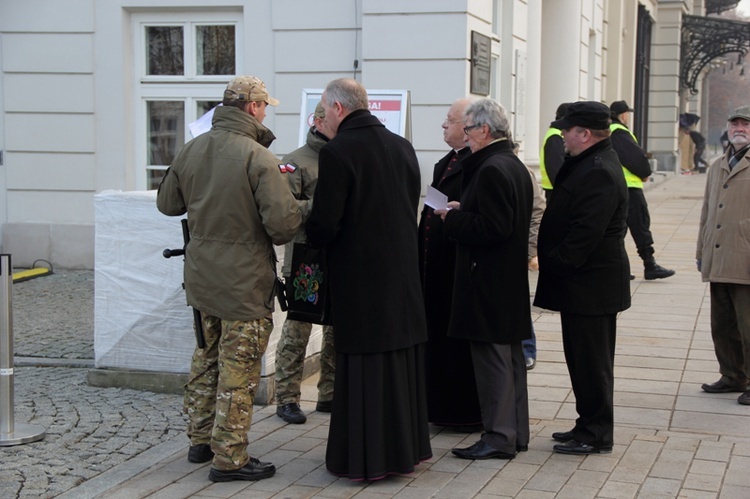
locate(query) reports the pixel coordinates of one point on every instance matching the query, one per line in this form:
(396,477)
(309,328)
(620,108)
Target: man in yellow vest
(637,169)
(552,154)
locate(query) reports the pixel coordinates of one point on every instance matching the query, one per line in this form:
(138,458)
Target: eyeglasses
(469,128)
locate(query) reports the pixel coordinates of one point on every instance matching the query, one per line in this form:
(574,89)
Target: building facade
(97,94)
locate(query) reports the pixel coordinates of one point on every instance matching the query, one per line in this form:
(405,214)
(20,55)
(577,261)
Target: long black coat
(437,255)
(365,213)
(451,387)
(583,266)
(491,291)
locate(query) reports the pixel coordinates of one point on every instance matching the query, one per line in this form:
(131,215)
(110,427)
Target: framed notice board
(480,63)
(391,107)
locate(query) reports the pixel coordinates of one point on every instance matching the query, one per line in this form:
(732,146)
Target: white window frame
(188,88)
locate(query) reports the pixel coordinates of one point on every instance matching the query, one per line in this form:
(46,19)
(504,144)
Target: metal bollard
(10,433)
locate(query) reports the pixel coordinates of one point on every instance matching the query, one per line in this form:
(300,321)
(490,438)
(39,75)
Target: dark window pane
(166,132)
(154,178)
(215,50)
(205,106)
(165,47)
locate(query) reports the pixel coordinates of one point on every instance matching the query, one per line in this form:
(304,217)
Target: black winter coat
(437,255)
(491,291)
(583,266)
(365,213)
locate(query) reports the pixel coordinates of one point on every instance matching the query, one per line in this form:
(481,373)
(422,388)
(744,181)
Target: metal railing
(10,433)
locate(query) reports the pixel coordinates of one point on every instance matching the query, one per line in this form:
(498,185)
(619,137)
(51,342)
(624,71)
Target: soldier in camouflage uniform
(238,206)
(301,166)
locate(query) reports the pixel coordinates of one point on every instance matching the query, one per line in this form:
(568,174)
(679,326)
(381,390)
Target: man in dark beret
(584,270)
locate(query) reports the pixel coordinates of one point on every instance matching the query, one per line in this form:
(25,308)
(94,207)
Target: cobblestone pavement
(53,316)
(88,430)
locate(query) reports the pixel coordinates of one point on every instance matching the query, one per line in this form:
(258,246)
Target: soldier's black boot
(291,413)
(253,470)
(200,453)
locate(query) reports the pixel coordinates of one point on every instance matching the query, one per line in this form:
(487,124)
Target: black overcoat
(365,213)
(451,387)
(583,265)
(491,291)
(437,254)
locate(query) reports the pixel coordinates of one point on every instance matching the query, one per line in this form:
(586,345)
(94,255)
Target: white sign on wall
(391,107)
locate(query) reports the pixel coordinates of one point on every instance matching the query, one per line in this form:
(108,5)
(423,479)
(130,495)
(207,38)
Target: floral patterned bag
(307,288)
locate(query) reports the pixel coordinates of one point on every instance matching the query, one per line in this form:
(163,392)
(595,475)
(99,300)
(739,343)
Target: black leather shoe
(291,413)
(744,399)
(721,387)
(200,453)
(530,363)
(576,447)
(324,406)
(481,450)
(657,272)
(632,277)
(562,436)
(522,448)
(253,470)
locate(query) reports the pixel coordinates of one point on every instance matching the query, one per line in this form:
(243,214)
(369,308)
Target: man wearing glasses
(584,271)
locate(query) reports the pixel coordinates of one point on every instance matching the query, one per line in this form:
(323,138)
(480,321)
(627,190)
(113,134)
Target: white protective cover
(141,317)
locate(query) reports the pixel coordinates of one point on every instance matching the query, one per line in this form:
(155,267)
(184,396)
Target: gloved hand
(698,263)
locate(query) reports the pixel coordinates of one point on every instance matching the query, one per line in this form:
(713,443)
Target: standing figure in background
(238,206)
(637,169)
(552,154)
(365,214)
(301,167)
(452,399)
(723,257)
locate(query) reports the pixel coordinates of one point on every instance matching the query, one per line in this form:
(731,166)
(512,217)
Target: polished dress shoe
(521,448)
(200,453)
(656,271)
(530,363)
(562,436)
(324,406)
(253,470)
(744,399)
(481,450)
(721,387)
(579,448)
(291,413)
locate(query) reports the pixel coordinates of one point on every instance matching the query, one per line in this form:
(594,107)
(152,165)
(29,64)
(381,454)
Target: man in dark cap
(723,259)
(636,168)
(238,206)
(584,270)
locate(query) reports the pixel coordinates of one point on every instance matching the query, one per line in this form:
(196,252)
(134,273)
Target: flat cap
(587,114)
(740,112)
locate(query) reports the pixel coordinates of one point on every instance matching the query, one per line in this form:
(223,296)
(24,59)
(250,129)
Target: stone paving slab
(671,439)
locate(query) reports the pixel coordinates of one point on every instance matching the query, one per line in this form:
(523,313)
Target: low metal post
(10,433)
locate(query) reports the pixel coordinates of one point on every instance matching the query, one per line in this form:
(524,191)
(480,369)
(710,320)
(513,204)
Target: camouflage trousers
(220,389)
(290,360)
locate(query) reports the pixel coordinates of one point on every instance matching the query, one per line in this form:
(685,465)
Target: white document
(436,199)
(202,124)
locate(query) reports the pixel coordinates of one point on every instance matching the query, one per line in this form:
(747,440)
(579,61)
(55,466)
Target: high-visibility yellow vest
(631,179)
(546,183)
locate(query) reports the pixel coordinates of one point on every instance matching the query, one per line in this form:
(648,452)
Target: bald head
(453,126)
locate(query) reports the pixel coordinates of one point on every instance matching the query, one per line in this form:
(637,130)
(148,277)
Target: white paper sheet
(436,199)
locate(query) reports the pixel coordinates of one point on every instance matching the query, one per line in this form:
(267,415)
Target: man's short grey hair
(347,92)
(491,113)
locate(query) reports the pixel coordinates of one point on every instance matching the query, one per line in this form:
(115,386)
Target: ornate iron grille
(705,39)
